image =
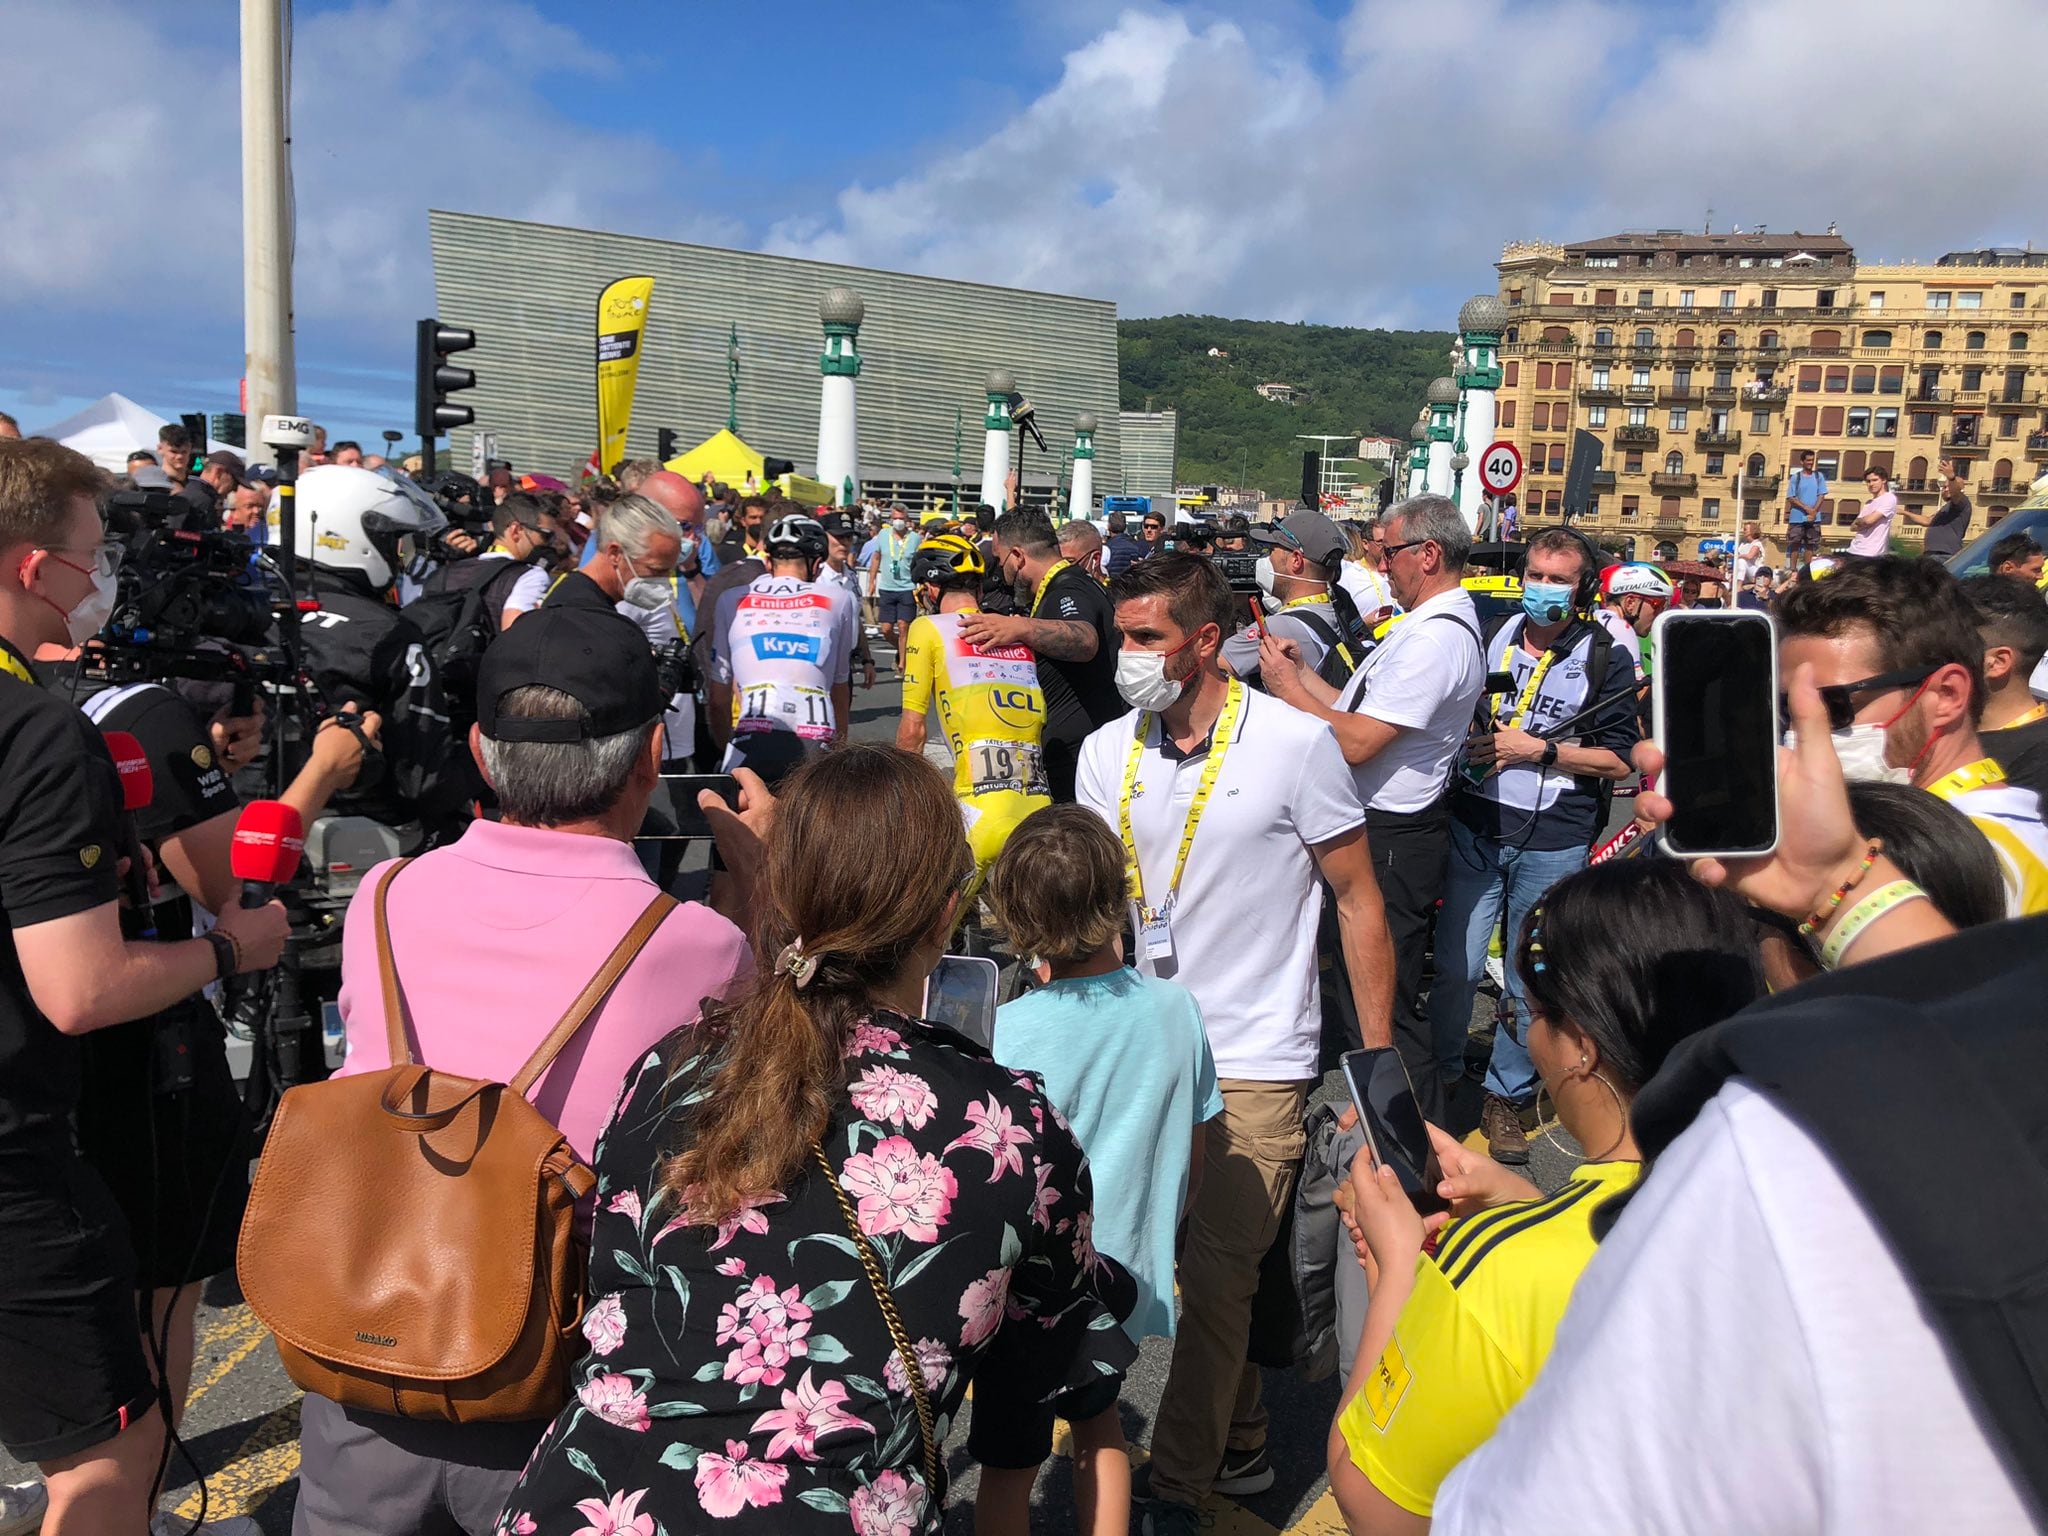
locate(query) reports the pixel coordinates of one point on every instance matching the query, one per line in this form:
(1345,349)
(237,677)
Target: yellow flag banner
(621,320)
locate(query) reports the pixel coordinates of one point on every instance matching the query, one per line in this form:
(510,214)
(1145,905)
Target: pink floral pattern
(738,1375)
(900,1098)
(729,1483)
(898,1189)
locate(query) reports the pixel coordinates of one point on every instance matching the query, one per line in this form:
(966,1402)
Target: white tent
(110,429)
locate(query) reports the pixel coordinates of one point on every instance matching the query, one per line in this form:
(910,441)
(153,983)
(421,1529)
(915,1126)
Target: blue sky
(1344,161)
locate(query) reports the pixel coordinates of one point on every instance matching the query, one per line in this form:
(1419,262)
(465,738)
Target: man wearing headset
(1526,803)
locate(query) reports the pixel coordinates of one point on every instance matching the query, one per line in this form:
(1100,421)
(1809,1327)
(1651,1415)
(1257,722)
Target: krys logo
(807,648)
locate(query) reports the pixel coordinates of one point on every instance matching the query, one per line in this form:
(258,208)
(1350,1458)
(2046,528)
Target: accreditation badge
(1155,933)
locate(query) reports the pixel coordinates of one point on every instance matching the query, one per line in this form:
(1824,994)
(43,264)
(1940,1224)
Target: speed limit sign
(1500,468)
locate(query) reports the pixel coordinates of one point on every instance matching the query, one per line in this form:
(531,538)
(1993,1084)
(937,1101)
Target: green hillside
(1354,381)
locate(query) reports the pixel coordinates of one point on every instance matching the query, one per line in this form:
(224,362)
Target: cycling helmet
(1635,579)
(799,534)
(945,556)
(361,520)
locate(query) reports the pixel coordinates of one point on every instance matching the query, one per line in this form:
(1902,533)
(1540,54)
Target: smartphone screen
(683,789)
(1392,1120)
(961,994)
(1716,688)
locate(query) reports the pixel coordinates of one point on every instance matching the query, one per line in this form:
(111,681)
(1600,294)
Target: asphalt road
(241,1426)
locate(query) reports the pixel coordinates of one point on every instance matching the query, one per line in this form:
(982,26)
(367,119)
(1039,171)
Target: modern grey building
(1151,446)
(529,291)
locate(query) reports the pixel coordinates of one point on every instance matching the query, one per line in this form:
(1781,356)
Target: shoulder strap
(396,1033)
(1370,663)
(595,991)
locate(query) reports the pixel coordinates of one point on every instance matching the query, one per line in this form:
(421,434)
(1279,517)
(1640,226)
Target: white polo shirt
(1424,678)
(1245,918)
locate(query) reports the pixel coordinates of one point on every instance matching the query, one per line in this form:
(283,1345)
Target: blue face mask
(1545,602)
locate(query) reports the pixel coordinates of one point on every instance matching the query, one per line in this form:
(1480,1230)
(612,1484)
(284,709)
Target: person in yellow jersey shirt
(987,699)
(1619,963)
(1899,663)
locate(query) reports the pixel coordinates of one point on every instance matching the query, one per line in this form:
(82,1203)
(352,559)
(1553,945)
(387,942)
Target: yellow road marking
(260,1465)
(240,1333)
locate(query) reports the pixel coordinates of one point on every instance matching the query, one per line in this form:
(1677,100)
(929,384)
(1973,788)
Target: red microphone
(138,787)
(269,837)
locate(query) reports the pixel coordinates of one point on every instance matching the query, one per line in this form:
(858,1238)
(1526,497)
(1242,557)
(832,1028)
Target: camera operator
(76,1395)
(355,531)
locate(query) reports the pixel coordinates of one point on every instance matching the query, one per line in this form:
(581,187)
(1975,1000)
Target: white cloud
(1179,165)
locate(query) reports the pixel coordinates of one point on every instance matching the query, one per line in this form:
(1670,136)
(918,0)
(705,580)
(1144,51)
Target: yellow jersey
(1475,1331)
(2010,819)
(993,715)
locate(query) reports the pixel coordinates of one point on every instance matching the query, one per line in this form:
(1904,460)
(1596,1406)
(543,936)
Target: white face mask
(1141,679)
(1263,574)
(898,526)
(1860,750)
(646,592)
(90,616)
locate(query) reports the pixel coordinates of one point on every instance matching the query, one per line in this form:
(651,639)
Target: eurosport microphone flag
(621,320)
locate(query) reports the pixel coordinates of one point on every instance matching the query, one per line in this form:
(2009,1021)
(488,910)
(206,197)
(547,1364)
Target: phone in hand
(1395,1133)
(1258,616)
(691,823)
(1714,700)
(960,993)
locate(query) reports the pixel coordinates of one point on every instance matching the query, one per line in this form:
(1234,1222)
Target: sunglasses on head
(1840,698)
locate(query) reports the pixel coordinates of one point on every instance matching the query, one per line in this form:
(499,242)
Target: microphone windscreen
(269,837)
(138,783)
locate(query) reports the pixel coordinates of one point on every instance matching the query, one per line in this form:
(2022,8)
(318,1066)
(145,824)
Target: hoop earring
(1620,1109)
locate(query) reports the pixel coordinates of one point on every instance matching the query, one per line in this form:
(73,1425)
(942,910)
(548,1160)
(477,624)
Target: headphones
(1588,586)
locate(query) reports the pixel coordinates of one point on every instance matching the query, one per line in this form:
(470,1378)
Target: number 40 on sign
(1500,468)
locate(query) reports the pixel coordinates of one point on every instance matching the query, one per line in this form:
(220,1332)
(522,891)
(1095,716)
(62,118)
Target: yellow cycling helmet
(946,555)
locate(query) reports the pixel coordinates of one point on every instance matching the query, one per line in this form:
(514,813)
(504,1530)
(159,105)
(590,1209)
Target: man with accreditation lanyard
(1230,806)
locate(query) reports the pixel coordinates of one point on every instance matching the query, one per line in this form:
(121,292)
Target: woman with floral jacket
(742,1375)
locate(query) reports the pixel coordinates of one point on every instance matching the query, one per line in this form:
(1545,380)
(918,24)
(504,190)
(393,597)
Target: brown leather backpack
(410,1239)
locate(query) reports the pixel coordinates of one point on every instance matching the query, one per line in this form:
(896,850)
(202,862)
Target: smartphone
(691,824)
(960,993)
(1258,616)
(1392,1121)
(1714,700)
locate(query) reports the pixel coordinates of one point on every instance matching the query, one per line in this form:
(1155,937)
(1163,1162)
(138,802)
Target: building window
(1825,298)
(1768,341)
(2019,301)
(1859,421)
(1667,511)
(1543,375)
(1596,415)
(1727,298)
(1674,463)
(1557,458)
(1725,339)
(1877,338)
(1938,300)
(1553,502)
(1632,463)
(1685,298)
(1604,296)
(1514,295)
(1759,421)
(1829,466)
(1639,415)
(1687,338)
(1710,510)
(1923,423)
(1809,379)
(1640,377)
(2015,384)
(1863,381)
(1974,342)
(1678,418)
(1831,421)
(2018,342)
(1852,464)
(1969,301)
(1645,337)
(1603,336)
(1717,463)
(1803,419)
(1838,381)
(1629,506)
(1891,381)
(1564,375)
(1646,298)
(1507,413)
(1973,378)
(1875,301)
(1887,422)
(1542,420)
(1931,342)
(1599,377)
(1511,375)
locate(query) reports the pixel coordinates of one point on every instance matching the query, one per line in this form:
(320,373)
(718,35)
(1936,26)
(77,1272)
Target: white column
(269,365)
(1082,499)
(838,423)
(995,450)
(1438,479)
(1479,408)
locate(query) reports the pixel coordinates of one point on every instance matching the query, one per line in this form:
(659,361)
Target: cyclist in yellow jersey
(987,699)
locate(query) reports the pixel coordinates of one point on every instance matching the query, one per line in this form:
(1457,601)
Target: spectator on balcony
(1948,524)
(1874,522)
(1805,489)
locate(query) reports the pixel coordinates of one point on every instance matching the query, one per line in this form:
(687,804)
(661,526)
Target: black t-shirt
(2022,751)
(1949,527)
(60,806)
(1079,695)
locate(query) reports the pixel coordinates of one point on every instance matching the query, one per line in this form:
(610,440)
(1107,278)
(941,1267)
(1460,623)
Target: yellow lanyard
(9,663)
(675,604)
(1343,650)
(1219,743)
(1530,688)
(1046,581)
(1982,774)
(2038,712)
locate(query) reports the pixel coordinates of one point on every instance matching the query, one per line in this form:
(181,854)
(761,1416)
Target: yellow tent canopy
(723,456)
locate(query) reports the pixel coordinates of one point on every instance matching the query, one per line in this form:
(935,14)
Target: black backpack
(1340,651)
(457,613)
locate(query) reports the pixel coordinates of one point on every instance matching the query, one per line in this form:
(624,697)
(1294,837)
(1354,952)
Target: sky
(1355,162)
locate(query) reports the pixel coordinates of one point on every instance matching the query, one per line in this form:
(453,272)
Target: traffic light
(230,427)
(434,381)
(665,444)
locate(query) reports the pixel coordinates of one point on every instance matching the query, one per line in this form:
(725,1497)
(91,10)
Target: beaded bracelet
(1824,914)
(1885,898)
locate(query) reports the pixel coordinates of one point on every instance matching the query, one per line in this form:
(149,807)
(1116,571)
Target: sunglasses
(1840,698)
(1391,550)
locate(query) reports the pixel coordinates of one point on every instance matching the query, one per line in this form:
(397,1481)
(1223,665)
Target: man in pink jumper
(493,937)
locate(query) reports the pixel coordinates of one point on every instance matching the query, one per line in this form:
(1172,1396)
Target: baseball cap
(220,458)
(599,659)
(1310,532)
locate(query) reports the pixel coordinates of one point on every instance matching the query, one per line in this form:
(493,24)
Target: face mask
(646,592)
(898,525)
(1545,602)
(1141,678)
(1860,750)
(1263,574)
(90,616)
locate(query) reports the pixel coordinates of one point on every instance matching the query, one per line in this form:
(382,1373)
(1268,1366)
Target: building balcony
(1599,394)
(1722,442)
(1686,354)
(1674,484)
(1760,485)
(1602,349)
(1765,398)
(1554,346)
(1966,445)
(2037,445)
(1820,351)
(1972,397)
(2003,489)
(1639,394)
(1722,394)
(1634,436)
(1641,352)
(2016,399)
(1674,526)
(1914,484)
(1603,479)
(1671,395)
(1933,394)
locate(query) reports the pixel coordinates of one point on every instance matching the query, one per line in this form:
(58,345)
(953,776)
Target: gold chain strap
(912,1369)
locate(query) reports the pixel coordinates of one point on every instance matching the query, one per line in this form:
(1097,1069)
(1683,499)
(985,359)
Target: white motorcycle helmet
(362,520)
